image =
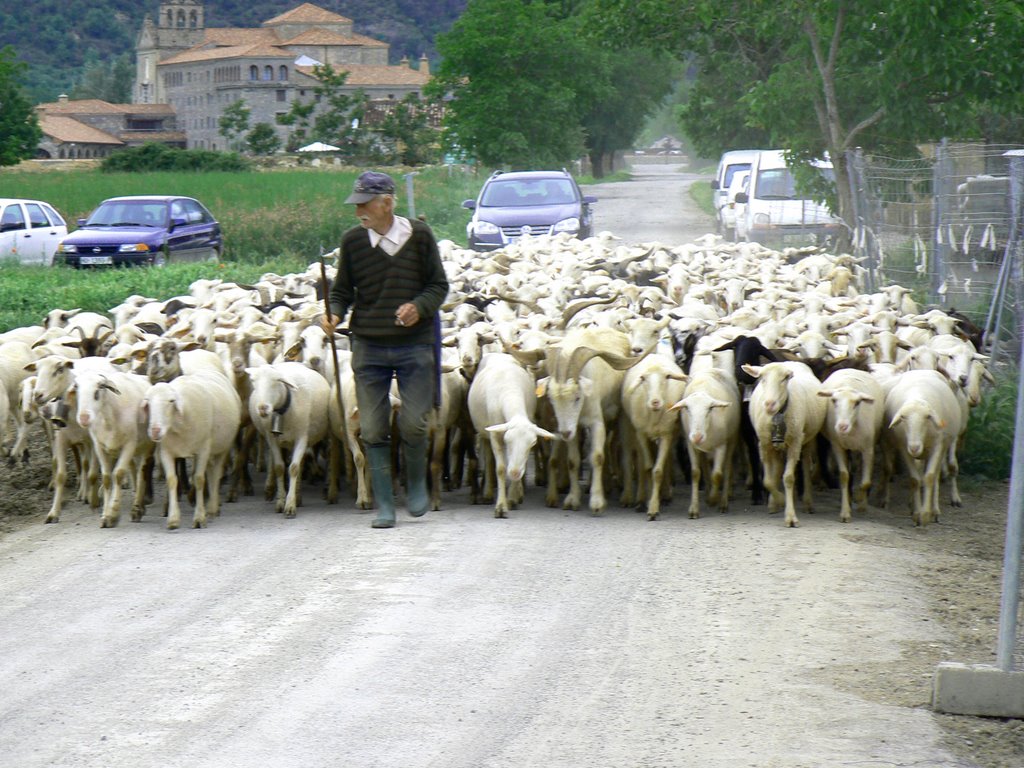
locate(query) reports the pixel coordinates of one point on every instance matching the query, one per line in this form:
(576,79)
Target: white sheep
(502,403)
(853,425)
(648,391)
(109,407)
(194,416)
(288,407)
(787,415)
(925,418)
(710,414)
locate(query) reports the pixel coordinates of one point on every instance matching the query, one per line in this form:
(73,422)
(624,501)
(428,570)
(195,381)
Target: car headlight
(133,248)
(486,228)
(568,225)
(762,219)
(66,248)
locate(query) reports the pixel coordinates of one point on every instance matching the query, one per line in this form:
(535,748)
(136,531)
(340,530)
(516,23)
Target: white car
(30,231)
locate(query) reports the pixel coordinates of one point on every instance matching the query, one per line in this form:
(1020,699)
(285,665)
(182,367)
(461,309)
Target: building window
(181,19)
(268,72)
(282,94)
(193,20)
(282,73)
(254,72)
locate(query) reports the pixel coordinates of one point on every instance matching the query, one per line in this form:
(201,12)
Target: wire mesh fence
(947,226)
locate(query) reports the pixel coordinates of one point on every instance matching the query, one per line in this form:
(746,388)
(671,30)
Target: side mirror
(590,199)
(178,221)
(470,204)
(742,197)
(715,184)
(81,222)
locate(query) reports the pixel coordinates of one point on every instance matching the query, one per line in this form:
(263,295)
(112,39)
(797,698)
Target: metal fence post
(409,194)
(940,222)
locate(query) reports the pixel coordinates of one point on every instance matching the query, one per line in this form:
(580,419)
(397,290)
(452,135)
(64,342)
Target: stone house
(199,70)
(92,128)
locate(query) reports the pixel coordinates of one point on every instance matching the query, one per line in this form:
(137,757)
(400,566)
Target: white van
(776,216)
(728,166)
(30,231)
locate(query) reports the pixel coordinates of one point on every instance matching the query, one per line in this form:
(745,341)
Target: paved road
(548,640)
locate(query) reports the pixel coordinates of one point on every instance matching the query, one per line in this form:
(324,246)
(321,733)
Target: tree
(408,129)
(234,122)
(333,115)
(819,77)
(513,97)
(263,140)
(19,126)
(110,80)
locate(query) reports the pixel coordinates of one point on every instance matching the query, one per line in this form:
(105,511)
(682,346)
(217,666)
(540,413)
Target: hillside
(57,39)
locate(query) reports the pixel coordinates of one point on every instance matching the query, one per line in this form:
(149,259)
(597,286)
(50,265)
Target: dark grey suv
(517,203)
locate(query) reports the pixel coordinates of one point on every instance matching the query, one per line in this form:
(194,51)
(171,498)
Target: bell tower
(181,23)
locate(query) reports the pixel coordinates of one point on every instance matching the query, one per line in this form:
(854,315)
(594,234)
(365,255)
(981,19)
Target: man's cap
(369,185)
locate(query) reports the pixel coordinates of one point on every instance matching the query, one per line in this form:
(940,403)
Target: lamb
(109,406)
(710,413)
(787,415)
(195,416)
(502,403)
(648,390)
(288,407)
(853,424)
(925,419)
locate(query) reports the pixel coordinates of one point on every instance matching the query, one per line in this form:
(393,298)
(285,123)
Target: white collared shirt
(392,241)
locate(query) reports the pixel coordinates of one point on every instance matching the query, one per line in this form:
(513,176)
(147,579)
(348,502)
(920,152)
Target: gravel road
(549,640)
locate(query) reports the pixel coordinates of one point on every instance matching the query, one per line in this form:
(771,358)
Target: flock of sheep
(594,358)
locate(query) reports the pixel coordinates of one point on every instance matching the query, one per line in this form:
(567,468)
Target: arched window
(282,72)
(181,19)
(170,18)
(268,72)
(254,72)
(193,20)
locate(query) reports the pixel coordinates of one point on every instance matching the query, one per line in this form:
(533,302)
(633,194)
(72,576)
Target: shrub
(160,157)
(988,445)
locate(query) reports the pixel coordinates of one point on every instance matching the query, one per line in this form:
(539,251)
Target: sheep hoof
(198,523)
(500,514)
(172,525)
(651,518)
(51,519)
(694,514)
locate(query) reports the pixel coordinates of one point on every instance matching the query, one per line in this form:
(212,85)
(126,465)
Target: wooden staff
(330,336)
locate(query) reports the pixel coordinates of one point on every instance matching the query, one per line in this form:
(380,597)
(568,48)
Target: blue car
(513,204)
(143,230)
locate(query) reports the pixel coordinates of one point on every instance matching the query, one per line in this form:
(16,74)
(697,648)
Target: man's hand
(407,314)
(328,321)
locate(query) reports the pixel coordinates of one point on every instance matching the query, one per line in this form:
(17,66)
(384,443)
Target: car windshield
(133,213)
(515,193)
(779,184)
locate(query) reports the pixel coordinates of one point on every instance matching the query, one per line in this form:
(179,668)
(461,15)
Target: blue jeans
(374,366)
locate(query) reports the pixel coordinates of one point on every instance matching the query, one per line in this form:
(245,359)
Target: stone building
(92,128)
(200,70)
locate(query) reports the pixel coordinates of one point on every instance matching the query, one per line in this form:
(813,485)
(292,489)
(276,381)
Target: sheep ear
(825,393)
(498,428)
(545,434)
(896,420)
(867,399)
(753,370)
(678,405)
(542,387)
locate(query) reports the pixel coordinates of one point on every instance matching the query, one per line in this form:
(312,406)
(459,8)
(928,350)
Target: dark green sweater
(373,285)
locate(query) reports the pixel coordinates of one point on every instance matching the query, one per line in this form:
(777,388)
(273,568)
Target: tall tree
(234,122)
(19,126)
(109,80)
(828,76)
(513,98)
(415,142)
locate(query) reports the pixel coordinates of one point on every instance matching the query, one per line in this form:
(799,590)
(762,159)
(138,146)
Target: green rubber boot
(379,459)
(416,496)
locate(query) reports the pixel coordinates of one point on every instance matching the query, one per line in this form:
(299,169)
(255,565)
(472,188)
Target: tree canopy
(19,127)
(817,76)
(547,94)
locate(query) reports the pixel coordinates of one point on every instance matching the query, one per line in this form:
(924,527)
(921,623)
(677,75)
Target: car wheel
(160,260)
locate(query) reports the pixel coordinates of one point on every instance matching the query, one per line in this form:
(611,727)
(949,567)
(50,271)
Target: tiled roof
(239,36)
(371,74)
(307,13)
(81,107)
(66,129)
(318,36)
(258,50)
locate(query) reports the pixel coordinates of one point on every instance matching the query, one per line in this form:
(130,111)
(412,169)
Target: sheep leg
(695,469)
(497,445)
(572,500)
(953,467)
(487,458)
(438,446)
(214,475)
(861,495)
(657,473)
(60,476)
(771,462)
(171,479)
(293,497)
(932,471)
(843,465)
(718,490)
(554,462)
(807,465)
(139,498)
(789,483)
(597,453)
(199,468)
(334,451)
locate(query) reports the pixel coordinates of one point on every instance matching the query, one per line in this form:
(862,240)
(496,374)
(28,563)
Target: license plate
(90,261)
